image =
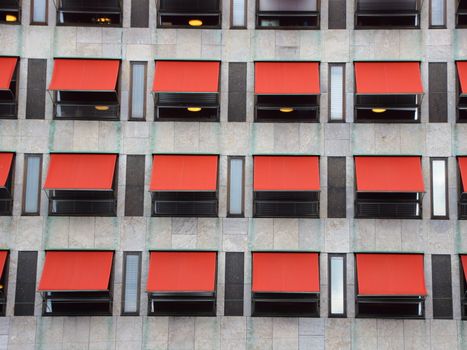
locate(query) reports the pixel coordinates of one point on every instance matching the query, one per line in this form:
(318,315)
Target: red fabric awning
(3,256)
(184,173)
(462,74)
(6,160)
(84,75)
(76,271)
(287,78)
(463,170)
(286,272)
(286,173)
(392,78)
(182,272)
(7,69)
(91,172)
(464,265)
(391,274)
(186,76)
(389,174)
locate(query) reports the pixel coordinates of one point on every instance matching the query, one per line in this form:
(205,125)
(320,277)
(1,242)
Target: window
(6,183)
(285,284)
(337,92)
(9,73)
(92,95)
(287,92)
(286,186)
(461,91)
(441,282)
(138,91)
(398,14)
(186,91)
(463,284)
(462,185)
(77,283)
(82,184)
(182,283)
(461,14)
(439,188)
(299,14)
(32,184)
(236,186)
(184,185)
(25,294)
(10,12)
(85,13)
(238,15)
(437,13)
(131,283)
(4,258)
(380,99)
(203,14)
(337,284)
(39,11)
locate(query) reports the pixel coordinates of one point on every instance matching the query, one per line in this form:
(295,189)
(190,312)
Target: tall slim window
(138,91)
(238,13)
(336,92)
(39,11)
(437,13)
(32,184)
(131,283)
(337,283)
(439,188)
(236,184)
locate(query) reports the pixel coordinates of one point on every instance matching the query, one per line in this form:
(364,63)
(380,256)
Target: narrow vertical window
(337,283)
(39,12)
(131,283)
(238,13)
(32,184)
(236,182)
(138,91)
(437,13)
(439,188)
(336,92)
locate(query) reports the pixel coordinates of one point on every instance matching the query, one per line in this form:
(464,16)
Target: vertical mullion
(127,283)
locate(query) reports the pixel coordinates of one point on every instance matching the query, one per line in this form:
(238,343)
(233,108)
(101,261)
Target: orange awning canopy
(462,74)
(287,78)
(76,271)
(186,76)
(464,265)
(184,173)
(463,170)
(389,174)
(182,272)
(285,272)
(7,69)
(286,173)
(390,274)
(392,78)
(3,257)
(85,75)
(90,172)
(6,160)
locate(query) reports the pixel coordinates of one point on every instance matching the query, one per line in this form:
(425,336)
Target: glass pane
(238,13)
(437,12)
(236,186)
(138,90)
(131,283)
(39,11)
(281,5)
(439,187)
(337,92)
(337,285)
(31,204)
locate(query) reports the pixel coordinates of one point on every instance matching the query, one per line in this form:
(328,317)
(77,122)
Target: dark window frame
(17,11)
(8,192)
(430,12)
(130,104)
(59,10)
(344,257)
(4,282)
(344,99)
(458,14)
(14,91)
(25,173)
(446,174)
(277,14)
(32,22)
(217,13)
(245,15)
(138,299)
(242,215)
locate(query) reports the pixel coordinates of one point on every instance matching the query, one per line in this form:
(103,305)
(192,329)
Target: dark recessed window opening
(6,183)
(83,203)
(288,14)
(77,303)
(287,108)
(3,280)
(461,14)
(203,14)
(10,12)
(396,14)
(463,285)
(187,106)
(9,93)
(74,105)
(388,205)
(89,12)
(194,204)
(292,204)
(387,108)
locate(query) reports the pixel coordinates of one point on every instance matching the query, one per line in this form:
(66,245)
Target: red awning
(464,265)
(7,69)
(462,74)
(286,173)
(84,75)
(463,170)
(184,173)
(3,256)
(76,271)
(182,272)
(390,274)
(389,174)
(91,172)
(392,78)
(186,76)
(286,272)
(287,78)
(6,159)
